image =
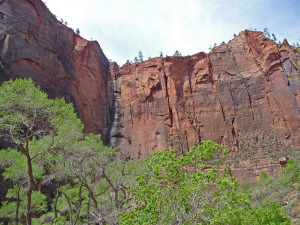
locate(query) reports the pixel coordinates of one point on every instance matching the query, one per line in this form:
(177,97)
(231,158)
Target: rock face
(244,94)
(33,43)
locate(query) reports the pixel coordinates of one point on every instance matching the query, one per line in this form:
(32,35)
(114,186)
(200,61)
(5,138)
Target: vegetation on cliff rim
(87,182)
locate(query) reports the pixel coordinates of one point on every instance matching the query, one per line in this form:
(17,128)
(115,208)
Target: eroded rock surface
(33,43)
(243,94)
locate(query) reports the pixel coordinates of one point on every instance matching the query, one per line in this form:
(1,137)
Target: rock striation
(244,94)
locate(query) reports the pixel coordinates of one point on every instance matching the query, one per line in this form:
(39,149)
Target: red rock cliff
(33,43)
(244,94)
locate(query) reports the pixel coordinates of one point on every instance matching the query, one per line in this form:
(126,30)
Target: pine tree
(266,33)
(274,37)
(141,56)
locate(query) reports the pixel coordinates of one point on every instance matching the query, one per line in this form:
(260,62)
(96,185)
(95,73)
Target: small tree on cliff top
(141,56)
(36,125)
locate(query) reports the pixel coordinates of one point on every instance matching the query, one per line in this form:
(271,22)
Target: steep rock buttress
(33,43)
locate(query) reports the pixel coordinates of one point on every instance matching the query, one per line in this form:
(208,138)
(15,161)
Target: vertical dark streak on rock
(168,97)
(194,113)
(222,111)
(249,97)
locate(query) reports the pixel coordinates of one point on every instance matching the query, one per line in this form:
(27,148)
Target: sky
(125,27)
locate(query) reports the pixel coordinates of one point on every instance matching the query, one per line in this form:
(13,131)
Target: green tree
(84,167)
(36,125)
(99,183)
(274,37)
(16,171)
(72,198)
(141,56)
(186,189)
(266,33)
(84,162)
(177,53)
(12,209)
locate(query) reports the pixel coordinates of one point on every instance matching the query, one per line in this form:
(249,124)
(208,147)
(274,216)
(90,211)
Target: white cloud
(122,28)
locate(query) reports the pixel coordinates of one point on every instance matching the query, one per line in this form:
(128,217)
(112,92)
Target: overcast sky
(124,27)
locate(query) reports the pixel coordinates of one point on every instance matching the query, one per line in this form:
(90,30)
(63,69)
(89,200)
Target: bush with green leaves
(184,189)
(284,190)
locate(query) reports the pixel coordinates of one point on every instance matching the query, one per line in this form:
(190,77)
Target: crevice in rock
(234,134)
(168,98)
(223,113)
(268,100)
(194,113)
(131,115)
(233,130)
(187,142)
(113,115)
(250,100)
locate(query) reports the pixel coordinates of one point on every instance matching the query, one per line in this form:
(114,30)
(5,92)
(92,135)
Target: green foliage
(183,189)
(94,187)
(8,209)
(75,195)
(283,190)
(291,174)
(177,53)
(270,212)
(37,126)
(84,162)
(24,106)
(16,166)
(83,159)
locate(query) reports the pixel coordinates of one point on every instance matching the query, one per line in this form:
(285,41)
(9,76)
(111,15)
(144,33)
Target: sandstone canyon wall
(244,94)
(33,43)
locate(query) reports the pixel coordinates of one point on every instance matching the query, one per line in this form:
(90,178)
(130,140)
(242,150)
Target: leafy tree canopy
(184,189)
(36,126)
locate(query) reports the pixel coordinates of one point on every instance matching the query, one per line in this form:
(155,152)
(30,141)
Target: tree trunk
(79,205)
(18,206)
(55,203)
(98,217)
(70,208)
(30,187)
(88,211)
